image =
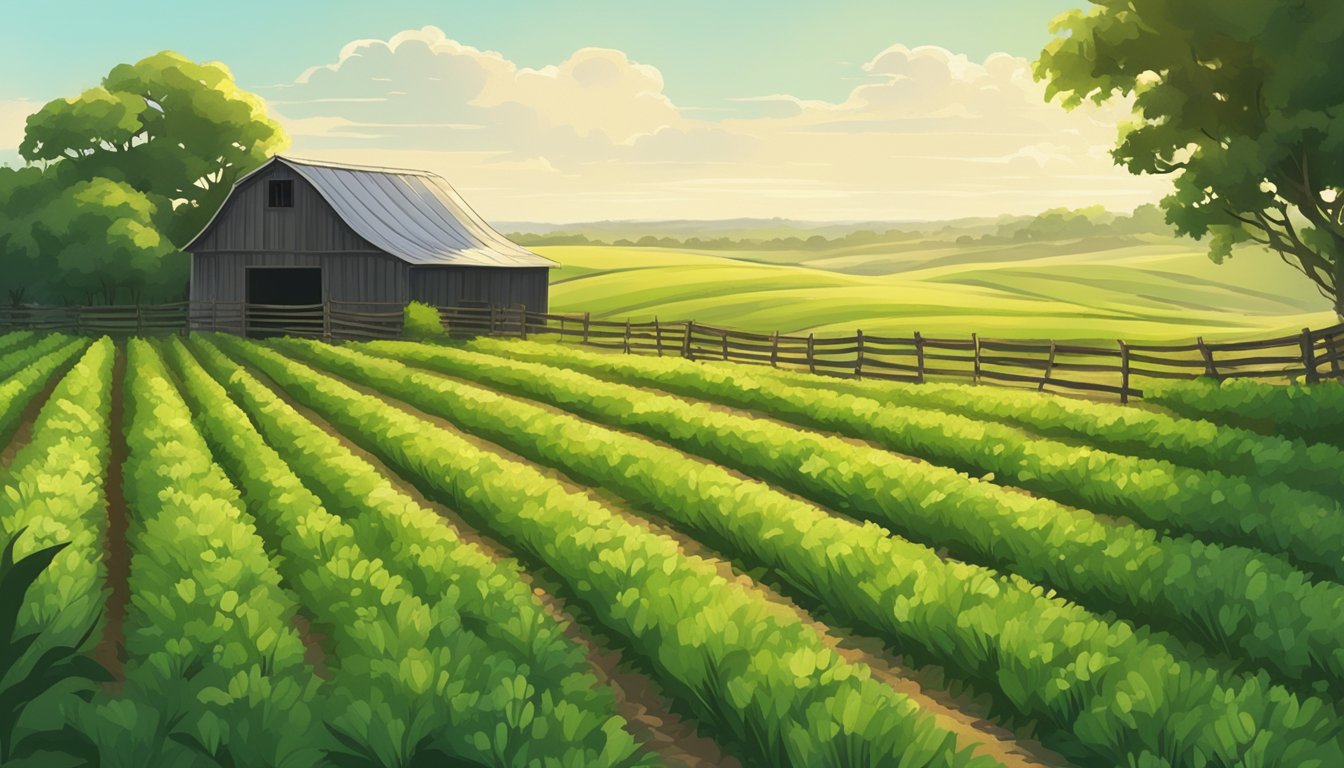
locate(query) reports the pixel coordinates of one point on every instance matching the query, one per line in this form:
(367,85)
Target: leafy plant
(1104,690)
(1242,601)
(422,321)
(768,681)
(59,667)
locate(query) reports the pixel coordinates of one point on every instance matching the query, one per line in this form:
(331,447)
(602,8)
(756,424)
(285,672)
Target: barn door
(284,301)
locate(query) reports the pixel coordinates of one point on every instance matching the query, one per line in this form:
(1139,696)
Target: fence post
(1049,366)
(686,342)
(723,339)
(774,349)
(1209,368)
(326,321)
(811,357)
(587,317)
(658,335)
(139,322)
(1124,371)
(975,347)
(919,357)
(522,320)
(1333,350)
(627,335)
(858,354)
(1309,356)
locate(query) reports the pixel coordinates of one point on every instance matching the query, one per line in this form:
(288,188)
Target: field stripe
(1301,526)
(742,661)
(972,728)
(1130,430)
(510,643)
(214,665)
(1230,599)
(989,628)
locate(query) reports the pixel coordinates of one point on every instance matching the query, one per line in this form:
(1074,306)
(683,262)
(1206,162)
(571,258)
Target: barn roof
(413,215)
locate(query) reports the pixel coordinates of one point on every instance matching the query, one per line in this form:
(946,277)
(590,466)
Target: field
(506,553)
(1141,288)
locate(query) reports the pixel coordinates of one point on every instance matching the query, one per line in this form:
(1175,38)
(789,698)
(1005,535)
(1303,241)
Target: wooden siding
(504,286)
(248,233)
(246,224)
(345,277)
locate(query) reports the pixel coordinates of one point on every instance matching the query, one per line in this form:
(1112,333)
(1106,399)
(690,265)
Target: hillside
(1137,286)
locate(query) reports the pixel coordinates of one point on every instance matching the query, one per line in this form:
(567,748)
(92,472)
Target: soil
(111,650)
(952,712)
(640,700)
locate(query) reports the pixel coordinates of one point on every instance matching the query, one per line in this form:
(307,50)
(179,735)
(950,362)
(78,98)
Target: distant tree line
(119,178)
(1052,225)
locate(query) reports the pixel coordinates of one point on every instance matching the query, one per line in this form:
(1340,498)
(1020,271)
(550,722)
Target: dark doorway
(284,301)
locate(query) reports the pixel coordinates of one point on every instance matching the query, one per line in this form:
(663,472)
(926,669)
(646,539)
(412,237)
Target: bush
(422,321)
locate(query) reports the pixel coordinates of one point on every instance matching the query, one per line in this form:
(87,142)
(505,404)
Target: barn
(299,232)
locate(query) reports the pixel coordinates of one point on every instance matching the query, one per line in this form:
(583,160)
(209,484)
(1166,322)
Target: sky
(544,111)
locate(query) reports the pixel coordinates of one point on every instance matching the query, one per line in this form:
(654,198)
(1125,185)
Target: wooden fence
(1043,364)
(332,320)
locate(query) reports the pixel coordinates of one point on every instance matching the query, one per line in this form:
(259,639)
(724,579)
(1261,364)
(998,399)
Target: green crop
(1104,690)
(1313,412)
(449,687)
(766,680)
(1136,431)
(1304,527)
(216,671)
(1231,599)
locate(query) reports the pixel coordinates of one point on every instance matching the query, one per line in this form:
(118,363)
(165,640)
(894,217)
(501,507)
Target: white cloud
(927,133)
(13,117)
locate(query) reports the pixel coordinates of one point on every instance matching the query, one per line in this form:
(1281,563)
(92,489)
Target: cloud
(926,133)
(13,117)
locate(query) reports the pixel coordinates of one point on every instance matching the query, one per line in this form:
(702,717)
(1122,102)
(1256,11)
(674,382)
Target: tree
(179,132)
(1239,102)
(99,237)
(23,193)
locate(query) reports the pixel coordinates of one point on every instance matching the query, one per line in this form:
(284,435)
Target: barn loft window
(280,194)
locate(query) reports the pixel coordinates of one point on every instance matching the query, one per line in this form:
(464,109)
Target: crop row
(1305,527)
(14,338)
(215,671)
(1103,691)
(1313,412)
(53,488)
(1191,442)
(770,683)
(1229,598)
(399,623)
(33,368)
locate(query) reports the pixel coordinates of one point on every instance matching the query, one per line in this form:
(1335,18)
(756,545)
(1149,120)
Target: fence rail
(1045,364)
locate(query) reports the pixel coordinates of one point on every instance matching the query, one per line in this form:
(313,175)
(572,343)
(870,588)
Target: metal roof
(413,215)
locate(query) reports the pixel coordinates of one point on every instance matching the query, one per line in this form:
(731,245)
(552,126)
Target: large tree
(1240,101)
(177,131)
(122,176)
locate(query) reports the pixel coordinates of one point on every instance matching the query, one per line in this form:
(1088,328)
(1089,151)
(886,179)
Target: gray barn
(299,232)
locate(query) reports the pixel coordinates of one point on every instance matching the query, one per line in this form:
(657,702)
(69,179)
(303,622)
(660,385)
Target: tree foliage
(1238,101)
(122,176)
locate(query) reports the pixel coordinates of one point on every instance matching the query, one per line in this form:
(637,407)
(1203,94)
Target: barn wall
(505,286)
(346,277)
(245,224)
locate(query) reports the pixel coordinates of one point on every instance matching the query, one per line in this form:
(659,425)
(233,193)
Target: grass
(1141,289)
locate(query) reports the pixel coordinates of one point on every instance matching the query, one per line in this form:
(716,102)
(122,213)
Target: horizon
(866,112)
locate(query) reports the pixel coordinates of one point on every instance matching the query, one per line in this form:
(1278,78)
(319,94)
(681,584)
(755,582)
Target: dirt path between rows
(110,651)
(954,713)
(639,699)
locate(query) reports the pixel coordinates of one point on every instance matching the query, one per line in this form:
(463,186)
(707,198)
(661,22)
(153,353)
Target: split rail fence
(1045,364)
